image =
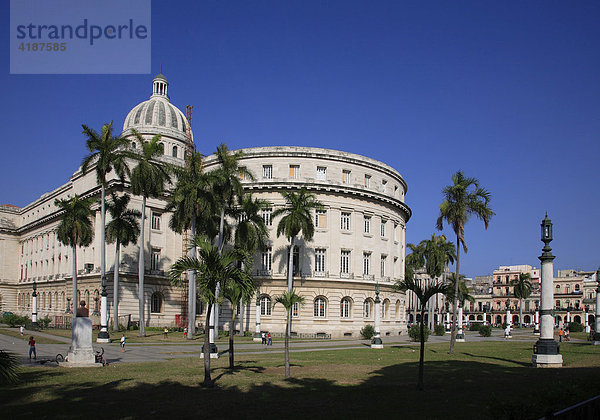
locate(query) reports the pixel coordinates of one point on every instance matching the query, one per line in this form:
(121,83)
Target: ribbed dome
(157,115)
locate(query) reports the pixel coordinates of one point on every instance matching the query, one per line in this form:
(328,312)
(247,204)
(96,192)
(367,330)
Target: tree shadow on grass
(498,358)
(254,391)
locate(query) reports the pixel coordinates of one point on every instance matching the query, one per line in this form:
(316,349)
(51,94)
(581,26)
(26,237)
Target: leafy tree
(423,293)
(107,153)
(213,267)
(75,229)
(288,300)
(462,200)
(148,180)
(193,208)
(296,218)
(122,230)
(251,233)
(522,289)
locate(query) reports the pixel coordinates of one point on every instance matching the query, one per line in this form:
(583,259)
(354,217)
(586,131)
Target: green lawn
(38,339)
(486,380)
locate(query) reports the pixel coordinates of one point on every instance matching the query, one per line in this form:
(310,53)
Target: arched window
(385,309)
(49,300)
(56,303)
(397,309)
(156,303)
(577,288)
(44,300)
(199,306)
(161,147)
(368,308)
(133,145)
(345,305)
(320,307)
(265,305)
(174,153)
(87,299)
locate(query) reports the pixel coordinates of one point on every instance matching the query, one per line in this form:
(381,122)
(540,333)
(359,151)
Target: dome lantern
(160,85)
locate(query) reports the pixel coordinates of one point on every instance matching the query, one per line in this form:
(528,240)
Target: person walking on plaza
(560,334)
(123,343)
(263,337)
(21,330)
(166,331)
(566,334)
(32,348)
(185,332)
(270,341)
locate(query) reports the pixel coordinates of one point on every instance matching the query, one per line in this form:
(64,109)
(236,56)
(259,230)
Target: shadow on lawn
(247,393)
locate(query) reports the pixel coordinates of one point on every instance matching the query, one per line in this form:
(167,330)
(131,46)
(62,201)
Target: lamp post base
(103,337)
(257,337)
(460,337)
(376,342)
(546,353)
(214,353)
(596,339)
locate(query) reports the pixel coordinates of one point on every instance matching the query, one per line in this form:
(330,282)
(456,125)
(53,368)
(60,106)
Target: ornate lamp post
(508,320)
(536,328)
(257,334)
(376,342)
(546,352)
(460,334)
(95,313)
(68,310)
(34,322)
(596,336)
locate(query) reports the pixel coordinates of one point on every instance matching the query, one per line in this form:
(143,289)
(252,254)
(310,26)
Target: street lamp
(596,336)
(546,352)
(536,328)
(34,322)
(376,342)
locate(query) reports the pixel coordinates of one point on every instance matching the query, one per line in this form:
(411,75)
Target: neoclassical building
(358,243)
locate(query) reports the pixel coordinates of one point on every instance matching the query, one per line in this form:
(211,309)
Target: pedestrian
(22,330)
(270,342)
(560,334)
(123,343)
(185,332)
(566,334)
(165,331)
(507,331)
(263,336)
(32,348)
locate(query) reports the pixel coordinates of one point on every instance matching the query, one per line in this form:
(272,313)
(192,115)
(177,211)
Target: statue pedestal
(81,353)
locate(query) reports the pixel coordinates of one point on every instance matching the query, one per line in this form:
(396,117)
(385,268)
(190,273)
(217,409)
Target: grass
(38,339)
(484,379)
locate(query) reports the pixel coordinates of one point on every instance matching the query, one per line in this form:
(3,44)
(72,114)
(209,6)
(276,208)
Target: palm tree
(193,207)
(423,293)
(213,267)
(236,295)
(75,229)
(148,180)
(123,229)
(522,289)
(9,367)
(463,199)
(288,300)
(296,219)
(107,153)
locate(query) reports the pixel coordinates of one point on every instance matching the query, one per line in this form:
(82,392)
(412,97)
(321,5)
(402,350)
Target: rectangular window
(294,171)
(383,263)
(296,310)
(267,258)
(321,173)
(367,181)
(155,221)
(384,186)
(366,263)
(383,224)
(346,176)
(396,232)
(367,224)
(155,259)
(345,221)
(243,174)
(345,262)
(266,215)
(268,171)
(319,260)
(321,218)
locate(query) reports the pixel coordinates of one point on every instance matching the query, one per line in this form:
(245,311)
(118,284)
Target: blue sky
(507,91)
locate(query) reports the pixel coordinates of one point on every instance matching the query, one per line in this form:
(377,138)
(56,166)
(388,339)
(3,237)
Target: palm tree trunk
(220,248)
(104,295)
(116,288)
(208,382)
(141,268)
(422,352)
(287,347)
(75,303)
(231,334)
(288,328)
(454,307)
(192,287)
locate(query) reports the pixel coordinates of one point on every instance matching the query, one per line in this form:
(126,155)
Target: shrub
(367,332)
(575,327)
(15,320)
(414,332)
(438,329)
(475,326)
(44,322)
(485,330)
(9,365)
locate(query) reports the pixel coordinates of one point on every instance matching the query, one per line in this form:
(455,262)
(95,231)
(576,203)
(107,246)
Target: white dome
(157,115)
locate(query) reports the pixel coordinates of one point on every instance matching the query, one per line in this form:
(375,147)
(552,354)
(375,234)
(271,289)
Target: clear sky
(509,92)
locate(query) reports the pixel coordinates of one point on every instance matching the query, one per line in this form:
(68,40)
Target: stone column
(546,350)
(376,342)
(34,322)
(596,336)
(536,329)
(257,336)
(587,323)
